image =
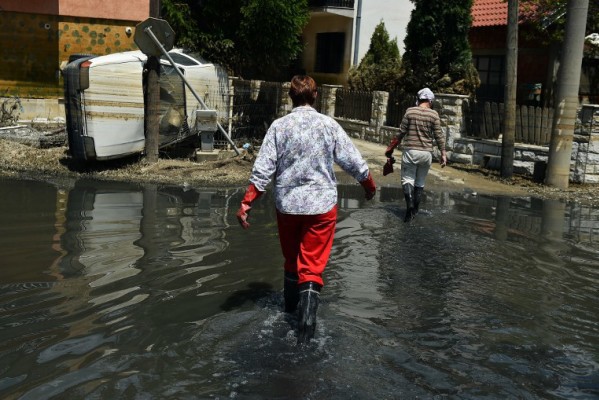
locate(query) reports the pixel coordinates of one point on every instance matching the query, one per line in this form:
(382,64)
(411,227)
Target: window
(330,47)
(491,70)
(181,59)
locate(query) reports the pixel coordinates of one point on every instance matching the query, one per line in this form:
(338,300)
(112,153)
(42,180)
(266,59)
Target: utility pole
(357,35)
(511,81)
(155,8)
(152,109)
(566,97)
(152,132)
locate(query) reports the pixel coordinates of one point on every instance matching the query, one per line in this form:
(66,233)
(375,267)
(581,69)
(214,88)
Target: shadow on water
(112,290)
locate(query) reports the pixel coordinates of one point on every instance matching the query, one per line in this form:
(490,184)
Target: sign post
(155,38)
(146,44)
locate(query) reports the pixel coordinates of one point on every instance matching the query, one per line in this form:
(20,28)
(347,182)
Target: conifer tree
(438,53)
(380,68)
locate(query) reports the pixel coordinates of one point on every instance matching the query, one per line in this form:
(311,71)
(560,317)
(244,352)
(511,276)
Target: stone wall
(585,148)
(528,159)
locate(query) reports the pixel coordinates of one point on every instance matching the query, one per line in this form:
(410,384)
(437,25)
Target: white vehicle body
(104,102)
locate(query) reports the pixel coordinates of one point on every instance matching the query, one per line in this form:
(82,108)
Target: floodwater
(112,290)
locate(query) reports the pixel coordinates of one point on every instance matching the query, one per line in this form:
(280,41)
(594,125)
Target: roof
(489,13)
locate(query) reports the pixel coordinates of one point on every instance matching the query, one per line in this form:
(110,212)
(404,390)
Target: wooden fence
(533,124)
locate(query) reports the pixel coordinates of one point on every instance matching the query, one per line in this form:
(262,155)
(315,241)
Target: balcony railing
(331,3)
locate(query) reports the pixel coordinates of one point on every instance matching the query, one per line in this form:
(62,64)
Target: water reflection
(111,290)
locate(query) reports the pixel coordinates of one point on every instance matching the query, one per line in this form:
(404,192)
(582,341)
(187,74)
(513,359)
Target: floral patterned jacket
(299,150)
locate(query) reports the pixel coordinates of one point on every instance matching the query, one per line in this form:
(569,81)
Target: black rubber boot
(290,292)
(309,293)
(408,191)
(417,197)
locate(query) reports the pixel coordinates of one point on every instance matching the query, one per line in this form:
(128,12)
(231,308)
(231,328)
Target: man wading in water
(419,127)
(298,153)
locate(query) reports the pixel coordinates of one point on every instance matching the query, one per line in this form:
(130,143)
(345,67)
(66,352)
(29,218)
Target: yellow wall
(28,51)
(33,46)
(99,37)
(320,23)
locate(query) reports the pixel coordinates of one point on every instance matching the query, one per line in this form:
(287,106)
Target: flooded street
(113,290)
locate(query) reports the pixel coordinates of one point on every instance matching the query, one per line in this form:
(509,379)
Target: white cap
(426,94)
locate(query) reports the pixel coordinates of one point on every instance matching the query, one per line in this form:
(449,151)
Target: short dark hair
(302,90)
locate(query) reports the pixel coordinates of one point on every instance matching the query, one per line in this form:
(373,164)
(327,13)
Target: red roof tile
(489,13)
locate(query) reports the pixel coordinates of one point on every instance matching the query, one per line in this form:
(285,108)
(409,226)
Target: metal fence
(533,124)
(255,105)
(353,104)
(396,108)
(254,108)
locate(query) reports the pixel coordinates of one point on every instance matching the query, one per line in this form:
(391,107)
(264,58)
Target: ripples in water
(120,291)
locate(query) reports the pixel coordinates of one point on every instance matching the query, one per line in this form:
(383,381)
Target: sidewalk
(448,178)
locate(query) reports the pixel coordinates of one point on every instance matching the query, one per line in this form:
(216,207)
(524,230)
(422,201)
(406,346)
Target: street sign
(163,32)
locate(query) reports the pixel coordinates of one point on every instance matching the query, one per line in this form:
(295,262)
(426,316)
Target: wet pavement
(116,290)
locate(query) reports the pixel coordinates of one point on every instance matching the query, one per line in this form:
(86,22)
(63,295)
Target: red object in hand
(388,167)
(391,146)
(251,194)
(369,187)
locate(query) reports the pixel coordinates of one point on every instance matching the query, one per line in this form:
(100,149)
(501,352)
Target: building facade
(328,39)
(38,36)
(488,37)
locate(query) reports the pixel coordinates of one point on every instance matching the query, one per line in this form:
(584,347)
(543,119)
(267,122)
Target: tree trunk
(511,82)
(566,99)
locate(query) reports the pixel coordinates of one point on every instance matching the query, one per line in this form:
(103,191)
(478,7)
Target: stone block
(463,148)
(528,156)
(490,162)
(460,158)
(524,167)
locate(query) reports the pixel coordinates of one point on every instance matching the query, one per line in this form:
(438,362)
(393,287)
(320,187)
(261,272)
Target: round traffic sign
(161,30)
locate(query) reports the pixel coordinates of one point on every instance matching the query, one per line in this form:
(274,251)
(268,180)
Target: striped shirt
(418,128)
(298,153)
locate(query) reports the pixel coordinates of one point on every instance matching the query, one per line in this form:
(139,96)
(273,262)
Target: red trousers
(306,242)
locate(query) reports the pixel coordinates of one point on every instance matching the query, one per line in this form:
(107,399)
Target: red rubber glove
(391,146)
(388,167)
(369,186)
(251,194)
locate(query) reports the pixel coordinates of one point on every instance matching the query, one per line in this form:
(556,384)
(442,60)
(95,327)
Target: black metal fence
(254,108)
(396,108)
(353,104)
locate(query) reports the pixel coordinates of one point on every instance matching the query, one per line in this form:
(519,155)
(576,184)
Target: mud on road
(226,169)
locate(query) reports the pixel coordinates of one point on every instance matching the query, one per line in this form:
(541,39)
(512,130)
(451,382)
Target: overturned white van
(104,102)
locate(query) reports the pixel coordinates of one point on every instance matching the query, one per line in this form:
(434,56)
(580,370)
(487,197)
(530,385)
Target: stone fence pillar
(378,115)
(329,96)
(285,103)
(451,112)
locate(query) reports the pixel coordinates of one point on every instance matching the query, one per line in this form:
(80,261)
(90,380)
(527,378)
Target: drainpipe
(357,37)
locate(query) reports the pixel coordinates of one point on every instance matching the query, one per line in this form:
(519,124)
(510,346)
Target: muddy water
(122,291)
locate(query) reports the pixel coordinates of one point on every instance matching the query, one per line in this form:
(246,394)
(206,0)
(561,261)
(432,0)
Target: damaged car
(105,102)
